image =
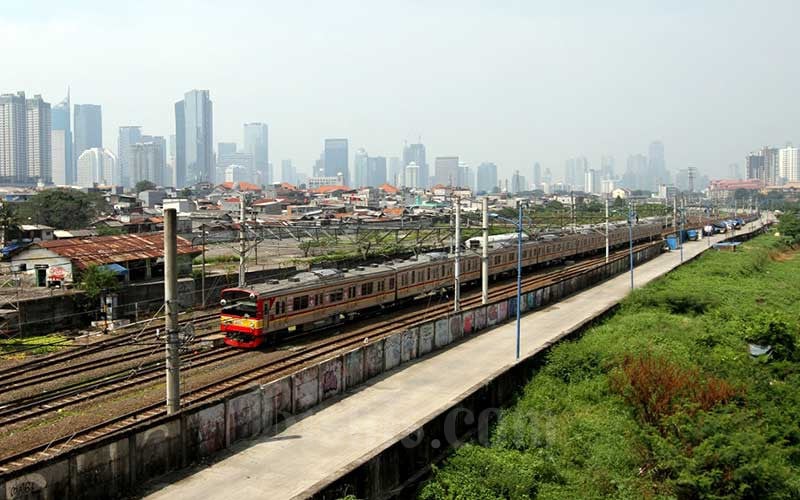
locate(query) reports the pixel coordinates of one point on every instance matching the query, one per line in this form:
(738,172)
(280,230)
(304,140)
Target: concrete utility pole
(457,248)
(606,229)
(242,242)
(171,308)
(485,251)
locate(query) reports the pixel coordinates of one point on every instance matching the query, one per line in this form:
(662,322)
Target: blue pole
(519,273)
(680,238)
(630,236)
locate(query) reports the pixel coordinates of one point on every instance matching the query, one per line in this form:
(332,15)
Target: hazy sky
(509,82)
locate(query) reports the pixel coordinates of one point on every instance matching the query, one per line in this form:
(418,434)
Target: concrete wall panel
(103,472)
(442,335)
(511,307)
(392,347)
(530,300)
(244,416)
(502,311)
(277,403)
(331,378)
(491,315)
(354,367)
(456,327)
(205,432)
(480,318)
(50,483)
(305,389)
(409,345)
(467,322)
(373,359)
(158,449)
(426,338)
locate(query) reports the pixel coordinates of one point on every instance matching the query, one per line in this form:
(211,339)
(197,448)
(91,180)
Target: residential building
(88,130)
(487,177)
(147,162)
(574,170)
(411,176)
(335,159)
(518,183)
(256,144)
(128,136)
(416,153)
(537,176)
(466,176)
(61,139)
(194,133)
(236,173)
(788,165)
(394,173)
(657,173)
(591,181)
(754,166)
(447,173)
(241,159)
(13,138)
(360,168)
(376,171)
(607,167)
(39,137)
(288,173)
(96,166)
(635,172)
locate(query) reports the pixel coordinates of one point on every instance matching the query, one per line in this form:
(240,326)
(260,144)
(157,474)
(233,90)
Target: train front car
(242,318)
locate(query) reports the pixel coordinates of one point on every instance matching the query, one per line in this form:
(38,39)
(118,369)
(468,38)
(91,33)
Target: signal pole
(173,360)
(242,242)
(606,229)
(485,252)
(457,249)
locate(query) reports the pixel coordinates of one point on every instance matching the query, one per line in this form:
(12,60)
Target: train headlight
(252,296)
(223,302)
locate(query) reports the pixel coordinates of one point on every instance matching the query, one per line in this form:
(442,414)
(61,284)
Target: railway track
(289,363)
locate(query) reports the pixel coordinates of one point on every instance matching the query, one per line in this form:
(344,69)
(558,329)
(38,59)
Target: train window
(498,259)
(429,274)
(336,295)
(351,292)
(366,289)
(381,285)
(444,271)
(421,276)
(391,283)
(319,299)
(413,277)
(299,303)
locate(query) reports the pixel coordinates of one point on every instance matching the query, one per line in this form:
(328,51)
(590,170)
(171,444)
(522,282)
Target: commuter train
(308,300)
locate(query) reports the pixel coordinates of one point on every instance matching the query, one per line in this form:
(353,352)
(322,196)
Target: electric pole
(171,308)
(485,252)
(242,242)
(457,248)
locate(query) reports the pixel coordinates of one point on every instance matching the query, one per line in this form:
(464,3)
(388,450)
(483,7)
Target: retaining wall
(120,462)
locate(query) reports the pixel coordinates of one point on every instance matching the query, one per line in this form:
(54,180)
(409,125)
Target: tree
(144,185)
(9,222)
(96,279)
(789,227)
(63,208)
(186,193)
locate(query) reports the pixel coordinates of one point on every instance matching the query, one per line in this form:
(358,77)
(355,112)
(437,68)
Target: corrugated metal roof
(85,252)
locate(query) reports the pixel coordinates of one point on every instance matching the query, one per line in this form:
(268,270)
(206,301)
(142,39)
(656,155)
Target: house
(36,232)
(136,257)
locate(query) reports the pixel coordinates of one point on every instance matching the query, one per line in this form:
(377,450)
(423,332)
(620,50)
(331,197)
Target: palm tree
(9,223)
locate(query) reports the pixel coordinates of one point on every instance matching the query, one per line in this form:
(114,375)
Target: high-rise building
(771,168)
(537,176)
(287,172)
(466,177)
(591,181)
(194,133)
(240,159)
(487,177)
(734,172)
(657,173)
(147,162)
(447,173)
(360,161)
(574,170)
(376,171)
(256,143)
(518,183)
(788,165)
(128,136)
(416,153)
(226,148)
(13,138)
(88,129)
(754,167)
(63,159)
(394,172)
(607,167)
(635,172)
(39,137)
(335,159)
(96,166)
(411,176)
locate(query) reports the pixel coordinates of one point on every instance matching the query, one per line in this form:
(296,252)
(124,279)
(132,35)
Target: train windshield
(239,303)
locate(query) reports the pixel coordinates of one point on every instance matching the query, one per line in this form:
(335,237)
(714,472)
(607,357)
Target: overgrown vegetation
(28,346)
(663,400)
(96,280)
(63,208)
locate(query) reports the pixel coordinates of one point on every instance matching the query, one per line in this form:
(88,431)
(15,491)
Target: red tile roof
(100,250)
(243,186)
(388,189)
(330,189)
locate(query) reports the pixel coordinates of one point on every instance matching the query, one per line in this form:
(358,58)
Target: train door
(264,307)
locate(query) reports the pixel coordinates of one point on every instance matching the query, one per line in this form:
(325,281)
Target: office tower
(394,172)
(518,183)
(537,176)
(128,136)
(13,138)
(682,179)
(256,143)
(416,153)
(335,158)
(287,172)
(360,161)
(446,171)
(635,172)
(487,177)
(607,167)
(161,142)
(63,159)
(194,134)
(547,177)
(466,177)
(574,170)
(39,136)
(242,159)
(788,165)
(88,130)
(656,167)
(96,166)
(147,162)
(226,148)
(376,171)
(591,181)
(411,176)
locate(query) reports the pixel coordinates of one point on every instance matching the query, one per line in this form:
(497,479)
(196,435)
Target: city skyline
(690,69)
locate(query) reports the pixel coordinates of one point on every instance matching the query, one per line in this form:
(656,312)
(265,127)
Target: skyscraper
(147,162)
(537,176)
(607,167)
(63,159)
(194,161)
(128,136)
(96,166)
(287,172)
(574,170)
(447,173)
(487,177)
(656,167)
(225,149)
(13,141)
(360,165)
(416,153)
(466,176)
(256,143)
(88,131)
(394,172)
(754,167)
(376,171)
(336,158)
(788,165)
(39,136)
(411,176)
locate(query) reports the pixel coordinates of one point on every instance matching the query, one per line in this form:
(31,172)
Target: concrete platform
(329,442)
